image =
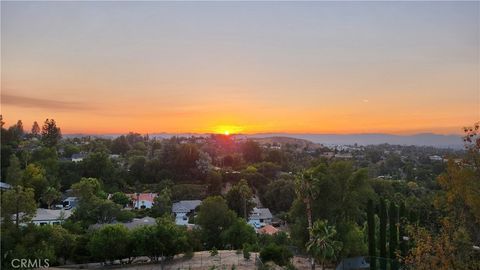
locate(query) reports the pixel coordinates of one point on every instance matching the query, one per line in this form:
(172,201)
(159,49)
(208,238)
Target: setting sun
(227,129)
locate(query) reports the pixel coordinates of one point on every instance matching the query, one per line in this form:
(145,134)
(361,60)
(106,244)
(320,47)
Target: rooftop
(79,155)
(4,185)
(261,213)
(43,214)
(185,206)
(268,229)
(148,197)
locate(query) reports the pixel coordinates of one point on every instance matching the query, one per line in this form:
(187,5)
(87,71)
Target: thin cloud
(29,102)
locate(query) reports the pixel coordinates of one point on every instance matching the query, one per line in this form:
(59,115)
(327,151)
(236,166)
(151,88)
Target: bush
(120,198)
(277,254)
(125,216)
(214,252)
(246,254)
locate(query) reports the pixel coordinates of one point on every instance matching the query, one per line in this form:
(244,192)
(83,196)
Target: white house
(78,157)
(182,209)
(50,216)
(143,200)
(259,217)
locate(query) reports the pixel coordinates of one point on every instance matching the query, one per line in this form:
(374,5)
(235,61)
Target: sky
(249,67)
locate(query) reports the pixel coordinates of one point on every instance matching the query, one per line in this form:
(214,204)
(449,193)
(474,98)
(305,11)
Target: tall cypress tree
(393,218)
(371,235)
(402,215)
(383,235)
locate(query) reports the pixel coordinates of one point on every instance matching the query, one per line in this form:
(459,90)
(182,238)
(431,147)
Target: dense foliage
(399,206)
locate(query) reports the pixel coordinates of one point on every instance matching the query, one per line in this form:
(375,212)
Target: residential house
(78,157)
(50,216)
(183,209)
(260,217)
(4,186)
(142,200)
(70,202)
(268,229)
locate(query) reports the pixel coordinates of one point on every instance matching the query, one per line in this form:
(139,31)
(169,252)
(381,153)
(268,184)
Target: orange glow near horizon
(228,129)
(241,67)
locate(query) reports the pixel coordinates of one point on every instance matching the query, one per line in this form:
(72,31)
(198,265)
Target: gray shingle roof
(79,155)
(51,214)
(4,185)
(185,206)
(260,213)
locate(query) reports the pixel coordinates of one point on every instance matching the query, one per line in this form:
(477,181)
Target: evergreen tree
(18,203)
(19,129)
(35,129)
(50,195)
(402,216)
(371,235)
(14,171)
(383,235)
(393,218)
(50,133)
(239,199)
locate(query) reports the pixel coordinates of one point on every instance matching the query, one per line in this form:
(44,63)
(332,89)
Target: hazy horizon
(242,67)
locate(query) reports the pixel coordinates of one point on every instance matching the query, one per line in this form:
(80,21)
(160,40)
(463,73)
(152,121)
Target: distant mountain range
(423,139)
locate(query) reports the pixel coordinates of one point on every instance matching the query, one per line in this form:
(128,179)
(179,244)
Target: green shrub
(214,252)
(125,216)
(275,253)
(246,254)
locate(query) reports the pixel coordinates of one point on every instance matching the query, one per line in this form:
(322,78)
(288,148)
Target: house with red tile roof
(267,229)
(142,200)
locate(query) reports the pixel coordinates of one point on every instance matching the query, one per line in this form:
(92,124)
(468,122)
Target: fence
(224,260)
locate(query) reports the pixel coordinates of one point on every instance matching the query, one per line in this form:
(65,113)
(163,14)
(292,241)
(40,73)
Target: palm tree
(322,245)
(304,188)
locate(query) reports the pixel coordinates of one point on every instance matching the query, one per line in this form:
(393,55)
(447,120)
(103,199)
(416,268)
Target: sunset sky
(305,67)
